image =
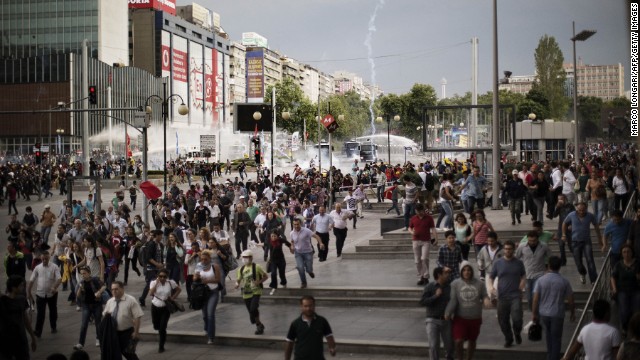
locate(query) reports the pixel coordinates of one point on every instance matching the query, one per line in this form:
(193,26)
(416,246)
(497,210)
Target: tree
(419,97)
(551,76)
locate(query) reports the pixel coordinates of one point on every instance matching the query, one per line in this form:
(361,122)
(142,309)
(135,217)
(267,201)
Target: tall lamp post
(257,115)
(388,119)
(582,36)
(182,110)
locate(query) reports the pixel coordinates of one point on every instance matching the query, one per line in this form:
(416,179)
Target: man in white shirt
(568,182)
(119,223)
(321,223)
(600,340)
(46,277)
(127,313)
(360,194)
(556,185)
(339,224)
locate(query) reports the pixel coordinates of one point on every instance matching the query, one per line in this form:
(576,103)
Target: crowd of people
(198,236)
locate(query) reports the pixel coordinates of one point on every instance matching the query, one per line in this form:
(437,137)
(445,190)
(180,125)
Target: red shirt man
(422,226)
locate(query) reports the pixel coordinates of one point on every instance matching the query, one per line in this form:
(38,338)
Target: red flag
(129,153)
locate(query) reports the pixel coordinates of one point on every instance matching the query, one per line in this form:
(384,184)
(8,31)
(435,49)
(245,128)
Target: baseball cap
(515,172)
(247,253)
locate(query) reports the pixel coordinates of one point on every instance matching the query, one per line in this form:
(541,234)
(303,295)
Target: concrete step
(386,302)
(408,247)
(407,241)
(345,345)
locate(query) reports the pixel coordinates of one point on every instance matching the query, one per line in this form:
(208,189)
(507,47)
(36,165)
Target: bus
(369,152)
(351,149)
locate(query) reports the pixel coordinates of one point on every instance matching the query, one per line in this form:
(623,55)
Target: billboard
(168,6)
(254,39)
(196,84)
(180,78)
(209,86)
(255,76)
(244,121)
(219,93)
(166,53)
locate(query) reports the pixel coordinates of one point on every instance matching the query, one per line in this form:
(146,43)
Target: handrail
(601,288)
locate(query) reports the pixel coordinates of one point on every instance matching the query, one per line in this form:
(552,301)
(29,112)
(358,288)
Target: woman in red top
(481,228)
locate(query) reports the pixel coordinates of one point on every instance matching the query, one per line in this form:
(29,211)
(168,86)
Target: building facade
(543,140)
(602,81)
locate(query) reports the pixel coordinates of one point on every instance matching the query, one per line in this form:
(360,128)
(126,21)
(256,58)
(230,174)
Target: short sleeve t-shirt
(598,339)
(307,336)
(509,272)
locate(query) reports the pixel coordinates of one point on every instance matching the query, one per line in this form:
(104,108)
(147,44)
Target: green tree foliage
(621,102)
(551,76)
(589,108)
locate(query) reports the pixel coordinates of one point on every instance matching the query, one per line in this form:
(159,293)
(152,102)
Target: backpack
(429,183)
(199,295)
(231,263)
(253,272)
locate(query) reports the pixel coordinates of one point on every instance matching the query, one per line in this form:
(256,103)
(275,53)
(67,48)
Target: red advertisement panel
(166,58)
(179,65)
(168,6)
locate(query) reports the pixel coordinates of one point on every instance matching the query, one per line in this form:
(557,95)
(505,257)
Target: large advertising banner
(180,78)
(227,89)
(168,6)
(255,77)
(218,73)
(209,87)
(165,53)
(196,84)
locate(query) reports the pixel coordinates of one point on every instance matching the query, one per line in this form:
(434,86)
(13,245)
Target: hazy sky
(423,41)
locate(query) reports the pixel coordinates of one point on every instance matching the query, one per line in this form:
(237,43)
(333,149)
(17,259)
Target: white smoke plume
(372,63)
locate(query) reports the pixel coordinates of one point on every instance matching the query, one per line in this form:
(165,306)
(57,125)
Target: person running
(303,250)
(624,285)
(580,221)
(321,224)
(209,274)
(450,255)
(423,235)
(534,255)
(339,224)
(89,293)
(277,263)
(251,276)
(481,228)
(16,321)
(162,290)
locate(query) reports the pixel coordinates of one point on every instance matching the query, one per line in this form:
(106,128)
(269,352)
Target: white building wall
(113,31)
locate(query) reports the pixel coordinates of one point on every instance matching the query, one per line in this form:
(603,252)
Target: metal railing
(601,288)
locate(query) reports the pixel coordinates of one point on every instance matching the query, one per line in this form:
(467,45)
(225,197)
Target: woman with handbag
(209,274)
(163,292)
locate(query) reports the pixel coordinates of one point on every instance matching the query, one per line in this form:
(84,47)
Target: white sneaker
(273,291)
(209,342)
(97,343)
(77,347)
(582,279)
(77,308)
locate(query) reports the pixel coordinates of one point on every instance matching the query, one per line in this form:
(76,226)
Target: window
(556,149)
(529,150)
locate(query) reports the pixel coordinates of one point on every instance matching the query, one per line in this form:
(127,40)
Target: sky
(424,41)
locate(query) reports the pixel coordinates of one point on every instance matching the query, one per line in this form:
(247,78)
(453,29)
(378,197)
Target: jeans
(437,328)
(539,202)
(46,231)
(160,318)
(580,248)
(553,335)
(380,193)
(394,206)
(304,262)
(324,239)
(408,213)
(421,257)
(41,304)
(531,284)
(209,314)
(447,208)
(515,206)
(628,304)
(341,237)
(510,311)
(87,311)
(599,207)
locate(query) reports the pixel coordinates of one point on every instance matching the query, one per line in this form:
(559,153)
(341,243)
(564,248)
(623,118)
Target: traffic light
(38,157)
(257,156)
(92,95)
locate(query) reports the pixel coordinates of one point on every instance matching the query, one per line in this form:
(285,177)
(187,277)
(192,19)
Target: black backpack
(429,183)
(199,295)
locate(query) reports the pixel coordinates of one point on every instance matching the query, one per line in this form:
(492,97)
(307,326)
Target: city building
(520,84)
(543,140)
(602,81)
(237,74)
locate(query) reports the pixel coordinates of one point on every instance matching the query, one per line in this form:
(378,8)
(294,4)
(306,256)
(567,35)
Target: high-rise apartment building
(603,81)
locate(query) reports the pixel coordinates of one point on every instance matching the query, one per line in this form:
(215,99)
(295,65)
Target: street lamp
(388,119)
(60,133)
(182,110)
(582,36)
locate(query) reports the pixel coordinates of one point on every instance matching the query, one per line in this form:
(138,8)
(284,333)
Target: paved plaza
(371,303)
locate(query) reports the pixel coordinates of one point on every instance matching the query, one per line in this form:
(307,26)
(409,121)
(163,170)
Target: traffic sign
(330,123)
(43,148)
(141,119)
